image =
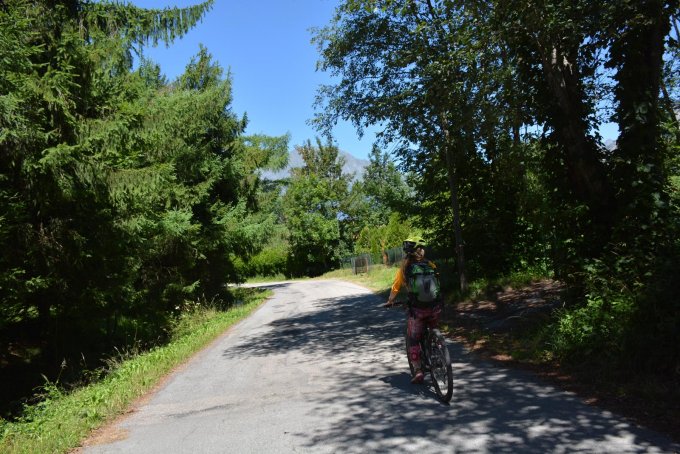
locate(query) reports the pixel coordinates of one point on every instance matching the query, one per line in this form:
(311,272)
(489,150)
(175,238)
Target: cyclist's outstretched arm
(396,286)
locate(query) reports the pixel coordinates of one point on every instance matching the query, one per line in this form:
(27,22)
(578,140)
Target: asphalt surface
(320,368)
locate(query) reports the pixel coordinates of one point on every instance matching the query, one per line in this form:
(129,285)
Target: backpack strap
(408,274)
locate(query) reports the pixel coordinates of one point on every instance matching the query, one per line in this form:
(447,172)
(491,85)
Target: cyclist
(419,314)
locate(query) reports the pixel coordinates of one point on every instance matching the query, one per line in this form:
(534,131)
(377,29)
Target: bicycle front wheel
(440,366)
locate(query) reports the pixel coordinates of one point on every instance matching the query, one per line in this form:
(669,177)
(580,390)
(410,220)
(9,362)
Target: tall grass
(379,277)
(63,419)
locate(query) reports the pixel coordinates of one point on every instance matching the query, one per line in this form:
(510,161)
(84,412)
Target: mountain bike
(435,359)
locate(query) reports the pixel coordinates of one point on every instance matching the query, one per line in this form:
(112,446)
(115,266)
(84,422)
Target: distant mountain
(352,165)
(610,144)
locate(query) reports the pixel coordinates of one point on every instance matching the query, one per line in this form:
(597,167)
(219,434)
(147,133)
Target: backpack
(423,283)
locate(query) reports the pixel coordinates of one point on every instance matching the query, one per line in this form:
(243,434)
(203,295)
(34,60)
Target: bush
(271,261)
(595,330)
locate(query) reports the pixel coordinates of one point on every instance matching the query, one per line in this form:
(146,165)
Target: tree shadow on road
(372,406)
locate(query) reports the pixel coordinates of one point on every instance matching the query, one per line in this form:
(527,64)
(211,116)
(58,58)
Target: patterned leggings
(418,318)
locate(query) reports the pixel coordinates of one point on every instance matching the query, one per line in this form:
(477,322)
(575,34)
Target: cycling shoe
(418,377)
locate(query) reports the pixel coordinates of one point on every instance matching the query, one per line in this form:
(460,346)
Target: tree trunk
(642,175)
(383,251)
(453,187)
(586,172)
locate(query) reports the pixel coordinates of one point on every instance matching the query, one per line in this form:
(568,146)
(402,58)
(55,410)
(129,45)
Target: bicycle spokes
(440,367)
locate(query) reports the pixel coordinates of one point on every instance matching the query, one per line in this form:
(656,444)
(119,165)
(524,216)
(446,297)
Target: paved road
(320,369)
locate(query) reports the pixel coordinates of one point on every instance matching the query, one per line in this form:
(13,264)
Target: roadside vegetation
(65,416)
(379,279)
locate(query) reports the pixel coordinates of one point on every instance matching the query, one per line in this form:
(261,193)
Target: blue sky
(266,46)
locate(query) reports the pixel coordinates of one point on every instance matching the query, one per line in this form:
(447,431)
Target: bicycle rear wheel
(440,366)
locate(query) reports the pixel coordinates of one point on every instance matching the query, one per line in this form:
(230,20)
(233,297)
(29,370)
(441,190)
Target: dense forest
(127,198)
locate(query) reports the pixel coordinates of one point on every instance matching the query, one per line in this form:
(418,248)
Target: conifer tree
(122,196)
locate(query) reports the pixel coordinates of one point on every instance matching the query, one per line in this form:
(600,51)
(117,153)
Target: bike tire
(441,371)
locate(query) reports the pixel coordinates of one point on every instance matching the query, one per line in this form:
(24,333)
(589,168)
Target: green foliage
(384,188)
(312,210)
(594,331)
(448,100)
(270,261)
(378,238)
(492,109)
(122,196)
(639,168)
(140,25)
(629,321)
(382,202)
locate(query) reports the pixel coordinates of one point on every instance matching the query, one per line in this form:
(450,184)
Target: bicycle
(435,359)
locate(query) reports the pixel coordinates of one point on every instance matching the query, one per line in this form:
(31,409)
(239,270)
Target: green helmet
(412,243)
